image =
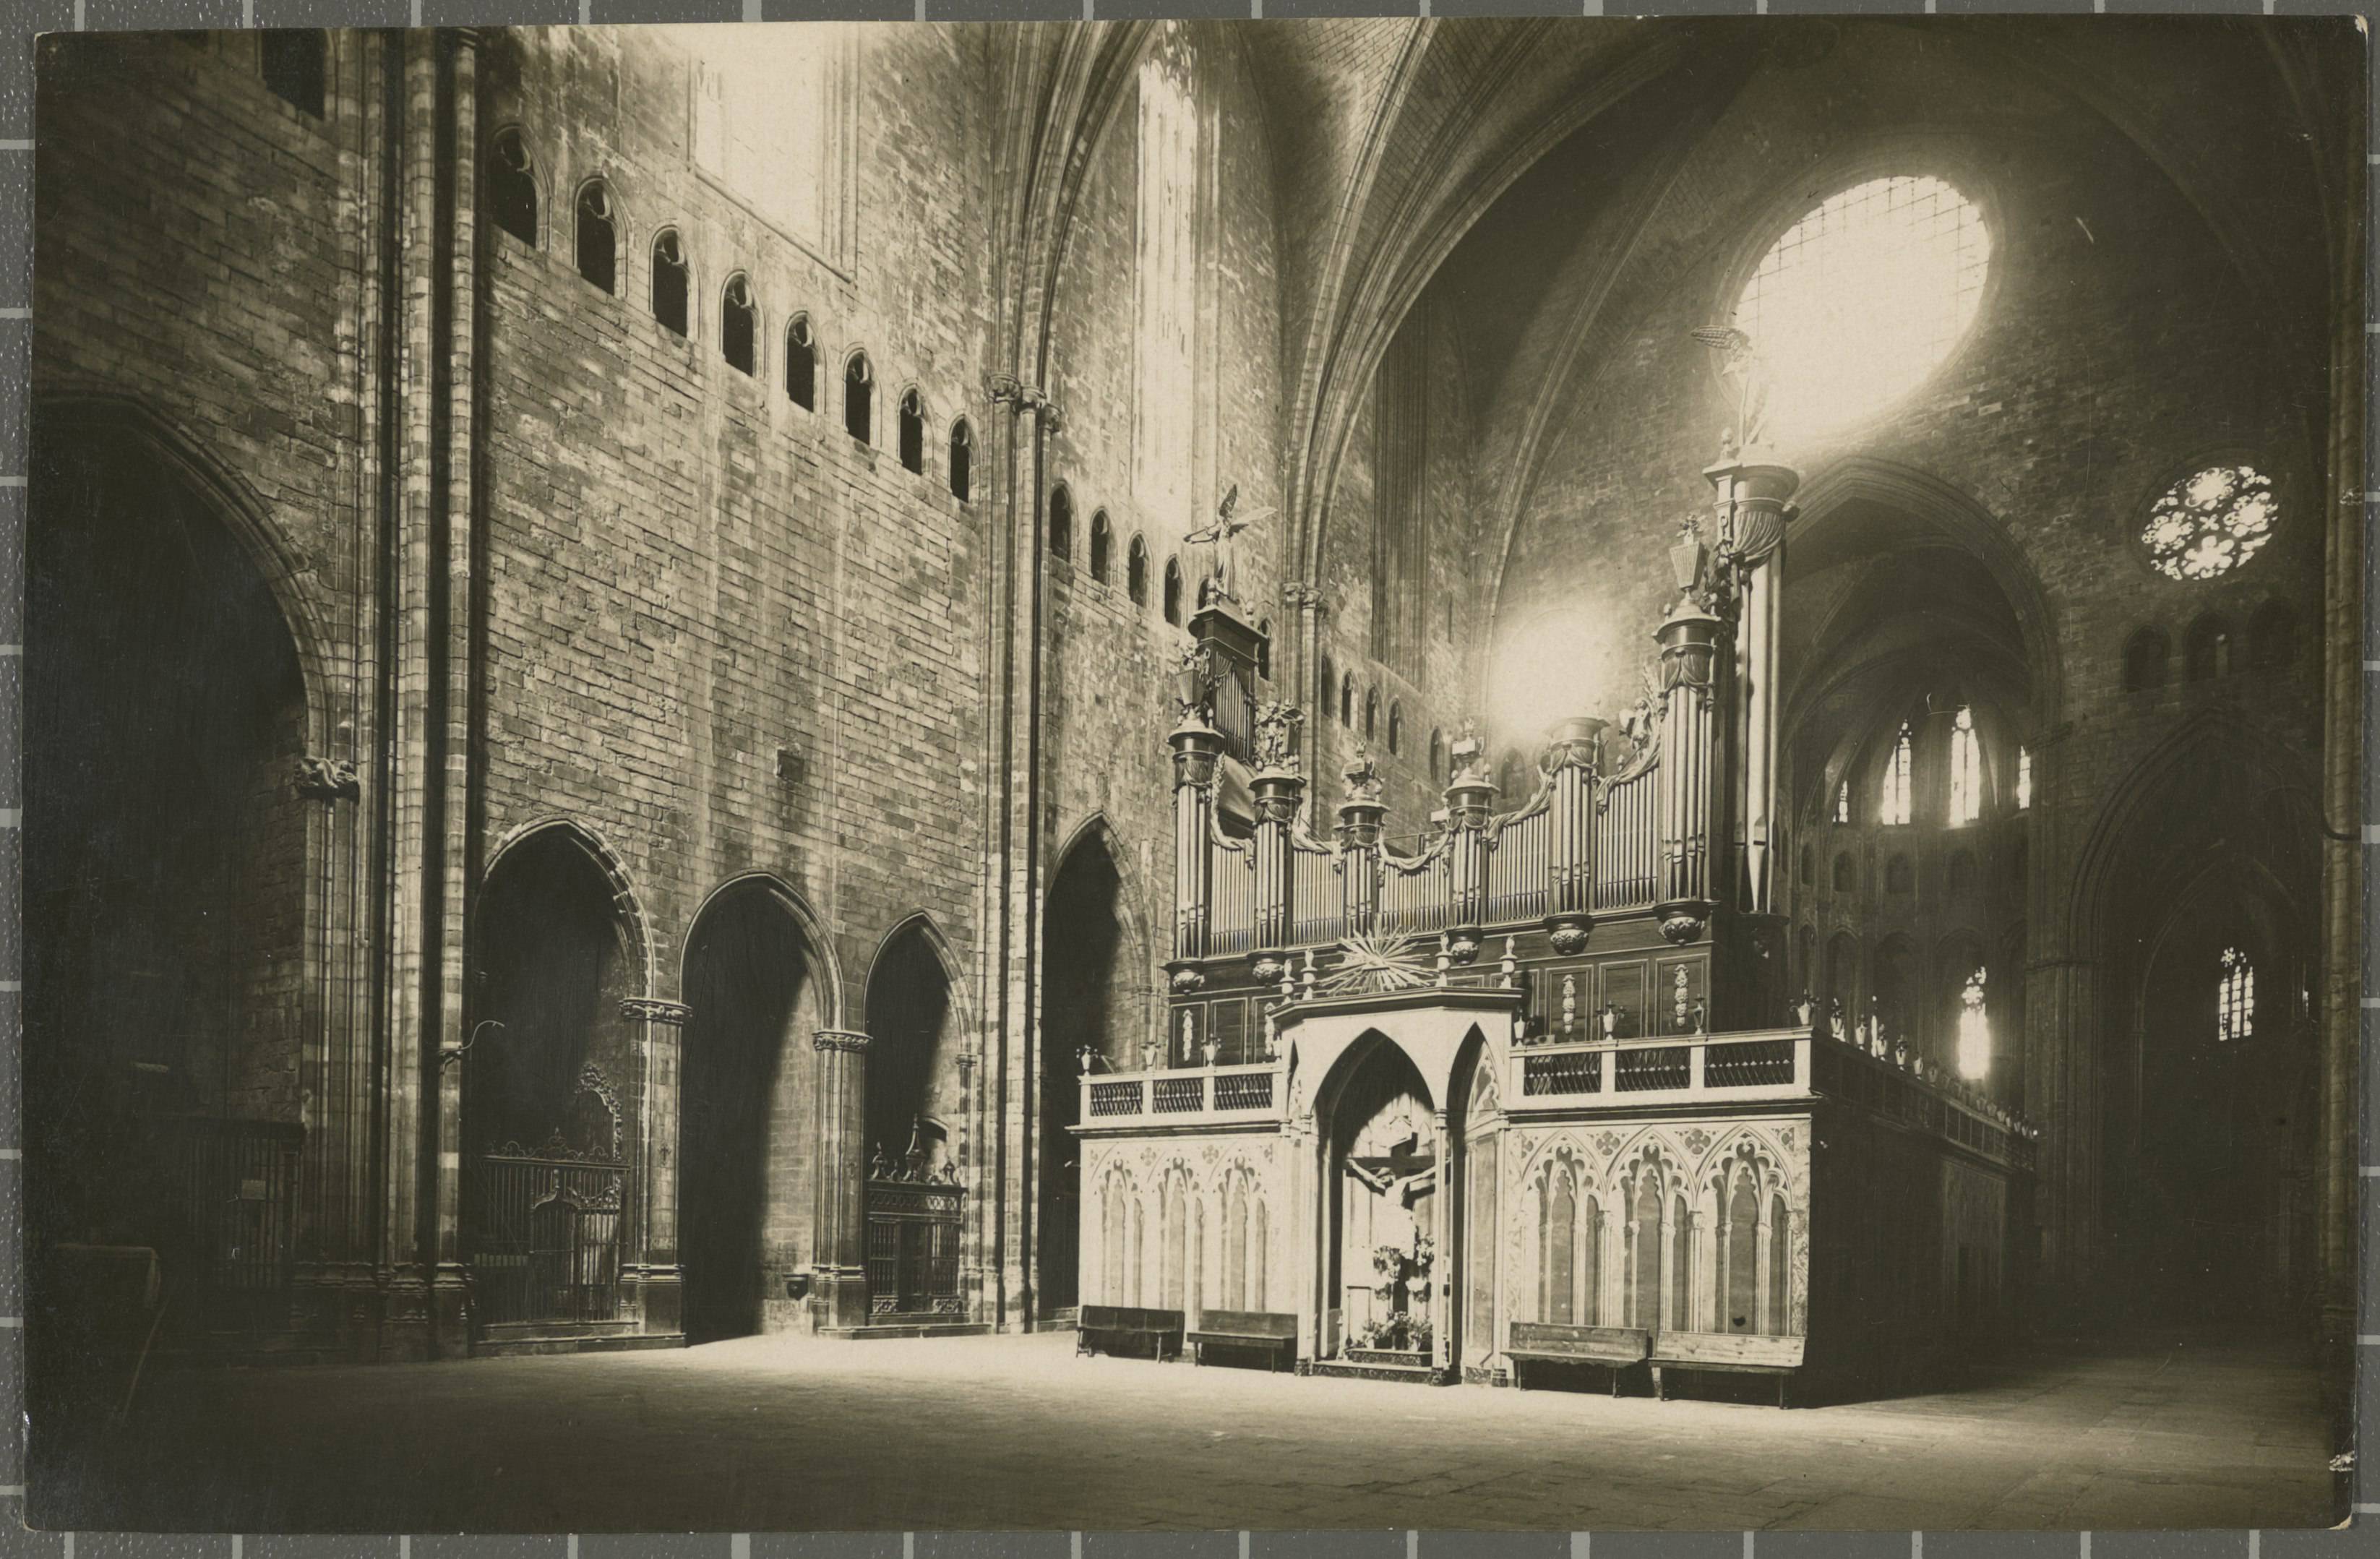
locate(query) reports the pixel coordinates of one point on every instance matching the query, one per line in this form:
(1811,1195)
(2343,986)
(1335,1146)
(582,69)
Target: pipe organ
(1552,1051)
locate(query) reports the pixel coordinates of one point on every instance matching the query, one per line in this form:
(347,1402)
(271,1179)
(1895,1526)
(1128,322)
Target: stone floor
(791,1434)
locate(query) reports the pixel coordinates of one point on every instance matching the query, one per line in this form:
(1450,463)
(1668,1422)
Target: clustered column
(839,1263)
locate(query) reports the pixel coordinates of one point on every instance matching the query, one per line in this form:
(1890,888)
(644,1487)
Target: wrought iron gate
(913,1248)
(545,1221)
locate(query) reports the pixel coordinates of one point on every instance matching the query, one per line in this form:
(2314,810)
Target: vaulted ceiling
(1530,169)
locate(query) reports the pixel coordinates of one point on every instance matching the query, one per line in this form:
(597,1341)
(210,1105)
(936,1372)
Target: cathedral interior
(1670,706)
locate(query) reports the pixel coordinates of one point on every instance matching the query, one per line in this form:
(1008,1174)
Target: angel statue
(1749,372)
(1276,743)
(1223,577)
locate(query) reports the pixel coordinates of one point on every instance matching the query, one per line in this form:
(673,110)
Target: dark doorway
(916,1101)
(745,1130)
(1091,966)
(547,1138)
(166,850)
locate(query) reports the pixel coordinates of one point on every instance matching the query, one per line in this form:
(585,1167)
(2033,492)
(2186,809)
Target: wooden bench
(1731,1353)
(1103,1326)
(1269,1332)
(1616,1348)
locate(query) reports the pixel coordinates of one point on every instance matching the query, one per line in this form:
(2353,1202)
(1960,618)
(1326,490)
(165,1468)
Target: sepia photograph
(1530,774)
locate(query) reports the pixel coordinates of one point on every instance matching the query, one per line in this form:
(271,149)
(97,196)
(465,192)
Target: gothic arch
(1968,525)
(90,413)
(921,923)
(813,930)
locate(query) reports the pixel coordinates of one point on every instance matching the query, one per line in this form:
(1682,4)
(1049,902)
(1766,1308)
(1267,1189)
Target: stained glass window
(2211,523)
(1863,299)
(1843,802)
(2235,997)
(1966,769)
(2023,778)
(1893,806)
(1974,1029)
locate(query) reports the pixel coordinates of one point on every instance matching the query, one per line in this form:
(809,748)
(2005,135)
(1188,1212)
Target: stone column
(650,1267)
(839,1234)
(1442,1262)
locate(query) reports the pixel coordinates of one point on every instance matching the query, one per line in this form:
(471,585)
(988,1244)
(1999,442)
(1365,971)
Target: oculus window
(2211,523)
(1863,299)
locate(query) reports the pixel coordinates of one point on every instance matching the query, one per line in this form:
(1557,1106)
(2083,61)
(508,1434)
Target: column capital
(653,1009)
(850,1040)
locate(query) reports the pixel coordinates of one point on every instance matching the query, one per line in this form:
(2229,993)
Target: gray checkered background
(25,19)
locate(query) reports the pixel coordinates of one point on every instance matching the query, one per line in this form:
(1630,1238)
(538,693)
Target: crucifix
(1748,370)
(1222,576)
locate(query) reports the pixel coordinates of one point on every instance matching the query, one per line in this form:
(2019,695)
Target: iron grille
(1751,1064)
(1643,1071)
(1243,1090)
(1576,1071)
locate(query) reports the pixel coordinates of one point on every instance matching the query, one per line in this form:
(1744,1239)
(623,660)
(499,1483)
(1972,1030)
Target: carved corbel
(327,779)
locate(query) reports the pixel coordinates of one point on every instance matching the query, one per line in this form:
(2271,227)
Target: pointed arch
(813,929)
(636,926)
(143,432)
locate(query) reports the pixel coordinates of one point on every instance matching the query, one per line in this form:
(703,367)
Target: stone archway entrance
(1381,1199)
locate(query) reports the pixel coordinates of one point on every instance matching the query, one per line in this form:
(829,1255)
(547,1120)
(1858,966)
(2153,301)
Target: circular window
(1863,299)
(2211,523)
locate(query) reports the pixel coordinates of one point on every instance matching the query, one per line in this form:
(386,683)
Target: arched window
(1347,700)
(1437,758)
(962,459)
(1509,776)
(859,397)
(1962,877)
(1396,728)
(297,65)
(1102,538)
(669,282)
(912,430)
(1966,768)
(801,363)
(1803,874)
(2145,655)
(598,238)
(1062,522)
(2235,997)
(2272,637)
(1974,1029)
(1893,804)
(1173,591)
(512,186)
(1136,572)
(2210,523)
(1371,713)
(1843,871)
(1864,298)
(1329,683)
(1264,649)
(2024,777)
(2207,654)
(1899,877)
(738,322)
(1843,801)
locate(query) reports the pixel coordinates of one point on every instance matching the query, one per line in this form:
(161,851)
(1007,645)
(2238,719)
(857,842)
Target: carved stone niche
(327,779)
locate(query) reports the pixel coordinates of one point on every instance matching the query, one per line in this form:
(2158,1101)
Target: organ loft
(1497,702)
(1539,1093)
